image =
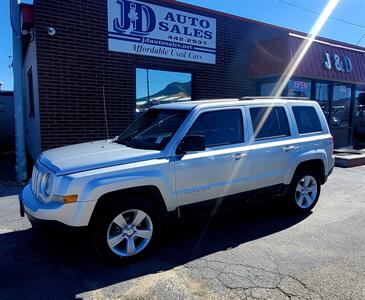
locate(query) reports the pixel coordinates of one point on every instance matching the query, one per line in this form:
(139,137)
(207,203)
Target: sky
(158,80)
(277,12)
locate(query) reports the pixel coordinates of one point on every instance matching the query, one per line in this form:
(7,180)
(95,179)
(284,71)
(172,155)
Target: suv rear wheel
(126,229)
(304,191)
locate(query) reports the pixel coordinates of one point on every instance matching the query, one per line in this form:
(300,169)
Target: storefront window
(267,88)
(359,110)
(341,105)
(322,97)
(155,87)
(299,88)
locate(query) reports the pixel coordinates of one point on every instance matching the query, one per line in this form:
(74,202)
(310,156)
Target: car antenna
(105,115)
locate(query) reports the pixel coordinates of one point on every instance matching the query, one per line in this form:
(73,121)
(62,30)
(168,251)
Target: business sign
(341,65)
(302,85)
(146,29)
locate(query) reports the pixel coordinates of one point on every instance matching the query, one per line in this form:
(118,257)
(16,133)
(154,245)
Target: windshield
(154,129)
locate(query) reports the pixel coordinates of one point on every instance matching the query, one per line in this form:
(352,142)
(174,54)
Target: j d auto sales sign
(145,29)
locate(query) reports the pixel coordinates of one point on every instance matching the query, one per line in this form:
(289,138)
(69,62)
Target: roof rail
(272,97)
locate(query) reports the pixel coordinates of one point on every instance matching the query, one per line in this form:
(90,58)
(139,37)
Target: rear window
(269,122)
(307,119)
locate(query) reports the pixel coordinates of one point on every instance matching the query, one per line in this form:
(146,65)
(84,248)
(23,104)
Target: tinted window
(322,97)
(359,110)
(268,122)
(307,119)
(341,101)
(267,88)
(219,127)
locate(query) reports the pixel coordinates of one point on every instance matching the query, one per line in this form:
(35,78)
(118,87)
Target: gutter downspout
(20,169)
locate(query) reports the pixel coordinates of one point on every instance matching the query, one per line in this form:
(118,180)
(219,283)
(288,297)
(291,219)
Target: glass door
(340,122)
(322,97)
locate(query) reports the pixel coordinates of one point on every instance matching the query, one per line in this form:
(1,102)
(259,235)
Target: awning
(324,60)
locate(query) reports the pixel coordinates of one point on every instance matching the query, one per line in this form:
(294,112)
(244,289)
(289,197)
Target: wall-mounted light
(51,31)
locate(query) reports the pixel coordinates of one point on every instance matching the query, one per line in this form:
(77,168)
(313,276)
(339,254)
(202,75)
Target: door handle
(237,156)
(289,148)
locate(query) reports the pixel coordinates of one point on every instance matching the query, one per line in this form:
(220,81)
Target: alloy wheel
(306,191)
(130,232)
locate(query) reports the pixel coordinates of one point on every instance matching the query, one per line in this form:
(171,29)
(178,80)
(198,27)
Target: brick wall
(75,63)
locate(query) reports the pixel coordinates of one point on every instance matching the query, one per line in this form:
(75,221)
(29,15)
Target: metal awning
(344,64)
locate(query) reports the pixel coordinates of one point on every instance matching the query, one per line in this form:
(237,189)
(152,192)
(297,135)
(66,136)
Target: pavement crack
(251,281)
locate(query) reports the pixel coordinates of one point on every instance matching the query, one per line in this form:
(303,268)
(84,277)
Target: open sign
(303,85)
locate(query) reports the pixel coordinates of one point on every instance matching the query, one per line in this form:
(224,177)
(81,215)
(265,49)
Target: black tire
(101,226)
(292,193)
(38,227)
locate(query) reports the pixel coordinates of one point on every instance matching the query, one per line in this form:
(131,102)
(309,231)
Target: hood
(93,155)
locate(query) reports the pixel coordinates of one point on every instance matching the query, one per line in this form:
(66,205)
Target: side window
(219,128)
(269,122)
(307,119)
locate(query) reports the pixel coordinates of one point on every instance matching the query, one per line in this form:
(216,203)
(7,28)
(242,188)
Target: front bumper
(76,214)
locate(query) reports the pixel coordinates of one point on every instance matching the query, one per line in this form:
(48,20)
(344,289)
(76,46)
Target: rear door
(224,167)
(272,144)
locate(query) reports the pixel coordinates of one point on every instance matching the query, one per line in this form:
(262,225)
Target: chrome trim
(36,182)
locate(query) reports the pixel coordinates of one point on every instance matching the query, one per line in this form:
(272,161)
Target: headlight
(47,184)
(47,191)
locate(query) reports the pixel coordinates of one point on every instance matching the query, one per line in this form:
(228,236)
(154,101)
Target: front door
(224,168)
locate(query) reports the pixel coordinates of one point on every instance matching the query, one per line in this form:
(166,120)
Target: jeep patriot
(177,155)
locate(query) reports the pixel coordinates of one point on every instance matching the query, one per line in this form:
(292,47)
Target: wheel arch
(317,164)
(152,192)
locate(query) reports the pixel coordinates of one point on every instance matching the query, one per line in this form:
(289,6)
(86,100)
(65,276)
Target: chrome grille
(36,181)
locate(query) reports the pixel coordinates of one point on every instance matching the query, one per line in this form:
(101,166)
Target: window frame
(195,115)
(271,137)
(319,119)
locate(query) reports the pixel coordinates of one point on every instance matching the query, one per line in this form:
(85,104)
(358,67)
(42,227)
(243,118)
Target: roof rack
(272,97)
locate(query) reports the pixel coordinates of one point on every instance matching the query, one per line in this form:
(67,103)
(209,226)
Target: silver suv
(178,155)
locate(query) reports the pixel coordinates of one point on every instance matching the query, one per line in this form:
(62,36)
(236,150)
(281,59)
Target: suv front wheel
(126,229)
(304,191)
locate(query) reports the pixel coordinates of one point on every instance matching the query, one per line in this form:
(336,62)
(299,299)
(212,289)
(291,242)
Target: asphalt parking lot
(254,253)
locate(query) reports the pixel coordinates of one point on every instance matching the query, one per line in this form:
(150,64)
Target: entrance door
(336,109)
(340,122)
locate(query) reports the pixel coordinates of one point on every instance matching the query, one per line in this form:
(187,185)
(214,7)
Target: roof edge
(228,15)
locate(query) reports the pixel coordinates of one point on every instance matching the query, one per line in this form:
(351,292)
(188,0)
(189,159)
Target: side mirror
(191,143)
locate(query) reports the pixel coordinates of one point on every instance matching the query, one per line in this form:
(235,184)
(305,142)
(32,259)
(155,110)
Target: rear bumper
(75,214)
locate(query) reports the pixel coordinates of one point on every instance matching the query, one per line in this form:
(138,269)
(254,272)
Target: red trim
(273,56)
(26,16)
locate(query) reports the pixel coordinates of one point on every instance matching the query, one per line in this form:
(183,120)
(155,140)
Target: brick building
(124,55)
